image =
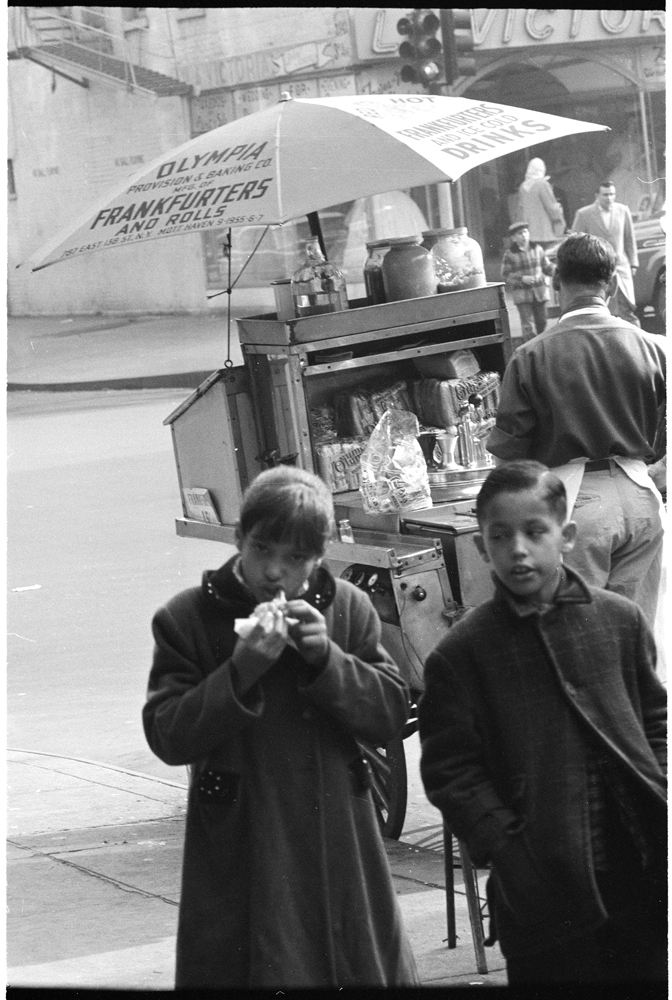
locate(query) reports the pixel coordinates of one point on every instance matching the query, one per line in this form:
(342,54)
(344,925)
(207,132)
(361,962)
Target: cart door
(216,443)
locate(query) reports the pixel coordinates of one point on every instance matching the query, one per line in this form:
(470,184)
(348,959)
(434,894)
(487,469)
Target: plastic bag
(394,472)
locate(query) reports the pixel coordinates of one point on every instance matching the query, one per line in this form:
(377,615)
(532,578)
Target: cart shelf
(362,322)
(421,351)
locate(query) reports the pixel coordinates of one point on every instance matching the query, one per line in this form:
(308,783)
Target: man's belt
(600,465)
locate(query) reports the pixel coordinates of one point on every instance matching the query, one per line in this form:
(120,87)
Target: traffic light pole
(446,19)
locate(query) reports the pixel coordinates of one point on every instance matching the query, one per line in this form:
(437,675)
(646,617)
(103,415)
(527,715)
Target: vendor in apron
(585,398)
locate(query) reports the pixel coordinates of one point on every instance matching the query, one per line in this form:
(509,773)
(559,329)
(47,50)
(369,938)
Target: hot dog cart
(419,567)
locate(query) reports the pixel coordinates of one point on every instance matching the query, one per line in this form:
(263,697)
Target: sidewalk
(64,353)
(94,857)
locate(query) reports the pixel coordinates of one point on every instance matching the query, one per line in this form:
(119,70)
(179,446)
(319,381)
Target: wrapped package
(359,410)
(485,383)
(393,468)
(455,364)
(438,402)
(393,397)
(354,413)
(323,423)
(338,464)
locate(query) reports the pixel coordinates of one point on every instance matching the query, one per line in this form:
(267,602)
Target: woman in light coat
(539,206)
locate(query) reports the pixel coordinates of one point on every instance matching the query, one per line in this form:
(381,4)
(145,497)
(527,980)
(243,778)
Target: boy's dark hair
(606,184)
(286,504)
(515,477)
(583,259)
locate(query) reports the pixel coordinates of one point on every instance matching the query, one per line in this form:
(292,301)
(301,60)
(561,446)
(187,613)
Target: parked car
(649,278)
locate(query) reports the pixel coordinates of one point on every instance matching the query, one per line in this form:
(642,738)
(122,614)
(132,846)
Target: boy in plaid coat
(523,268)
(543,729)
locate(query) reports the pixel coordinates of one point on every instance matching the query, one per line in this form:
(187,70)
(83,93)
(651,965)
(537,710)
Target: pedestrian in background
(585,398)
(537,203)
(543,733)
(612,222)
(285,881)
(524,267)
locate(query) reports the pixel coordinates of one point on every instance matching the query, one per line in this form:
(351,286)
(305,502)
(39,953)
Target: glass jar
(318,286)
(408,270)
(373,272)
(458,259)
(430,236)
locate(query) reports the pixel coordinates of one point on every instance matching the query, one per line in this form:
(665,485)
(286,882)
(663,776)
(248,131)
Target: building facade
(605,66)
(96,92)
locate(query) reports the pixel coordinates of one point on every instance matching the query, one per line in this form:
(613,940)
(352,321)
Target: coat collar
(570,590)
(596,319)
(587,301)
(225,586)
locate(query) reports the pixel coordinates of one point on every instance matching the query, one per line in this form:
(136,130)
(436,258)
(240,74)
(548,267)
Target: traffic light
(458,41)
(422,51)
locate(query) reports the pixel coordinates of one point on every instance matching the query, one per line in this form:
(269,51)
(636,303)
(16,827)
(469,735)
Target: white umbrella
(300,156)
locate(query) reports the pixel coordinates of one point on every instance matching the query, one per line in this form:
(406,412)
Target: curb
(187,380)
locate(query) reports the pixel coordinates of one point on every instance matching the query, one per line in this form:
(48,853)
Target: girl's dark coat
(285,880)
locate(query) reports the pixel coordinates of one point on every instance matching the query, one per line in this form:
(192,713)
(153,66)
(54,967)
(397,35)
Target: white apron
(636,470)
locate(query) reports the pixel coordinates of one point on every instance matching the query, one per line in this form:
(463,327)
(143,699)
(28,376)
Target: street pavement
(94,855)
(94,850)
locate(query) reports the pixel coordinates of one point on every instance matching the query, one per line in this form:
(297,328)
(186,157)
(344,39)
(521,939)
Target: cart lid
(447,517)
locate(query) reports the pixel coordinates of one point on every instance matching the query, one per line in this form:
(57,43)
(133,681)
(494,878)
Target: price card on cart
(200,506)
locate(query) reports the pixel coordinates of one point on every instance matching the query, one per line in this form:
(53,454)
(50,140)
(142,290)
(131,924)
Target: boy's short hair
(287,504)
(515,477)
(583,259)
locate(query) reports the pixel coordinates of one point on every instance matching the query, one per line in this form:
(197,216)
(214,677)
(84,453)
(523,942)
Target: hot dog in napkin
(263,615)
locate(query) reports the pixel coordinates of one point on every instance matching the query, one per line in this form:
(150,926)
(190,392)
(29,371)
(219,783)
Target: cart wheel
(389,787)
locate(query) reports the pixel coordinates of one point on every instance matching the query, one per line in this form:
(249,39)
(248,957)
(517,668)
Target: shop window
(346,229)
(11,182)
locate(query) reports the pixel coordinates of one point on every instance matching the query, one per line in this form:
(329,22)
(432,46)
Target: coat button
(307,715)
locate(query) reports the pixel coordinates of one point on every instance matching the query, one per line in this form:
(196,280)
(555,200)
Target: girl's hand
(257,653)
(310,633)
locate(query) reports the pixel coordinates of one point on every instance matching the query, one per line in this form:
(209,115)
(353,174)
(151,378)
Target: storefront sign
(209,111)
(651,66)
(376,37)
(518,27)
(375,32)
(331,53)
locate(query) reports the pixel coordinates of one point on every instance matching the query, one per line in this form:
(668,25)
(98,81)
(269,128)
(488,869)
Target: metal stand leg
(450,886)
(471,889)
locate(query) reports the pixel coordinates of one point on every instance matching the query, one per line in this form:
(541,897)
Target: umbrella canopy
(299,156)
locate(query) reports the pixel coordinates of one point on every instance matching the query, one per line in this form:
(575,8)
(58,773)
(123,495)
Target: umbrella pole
(316,230)
(228,363)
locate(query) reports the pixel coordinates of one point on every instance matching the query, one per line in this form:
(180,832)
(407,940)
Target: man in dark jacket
(585,398)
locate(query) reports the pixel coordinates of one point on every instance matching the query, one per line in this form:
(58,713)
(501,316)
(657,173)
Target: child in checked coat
(285,881)
(543,729)
(524,270)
